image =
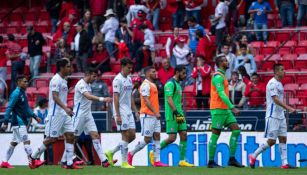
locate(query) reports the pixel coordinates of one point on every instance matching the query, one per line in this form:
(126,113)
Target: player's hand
(137,115)
(235,111)
(292,110)
(158,116)
(118,120)
(179,117)
(69,111)
(108,99)
(38,119)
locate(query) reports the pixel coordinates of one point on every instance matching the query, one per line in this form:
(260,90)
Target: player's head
(255,78)
(243,49)
(150,73)
(234,76)
(91,74)
(180,72)
(22,81)
(126,66)
(279,70)
(226,48)
(63,67)
(221,62)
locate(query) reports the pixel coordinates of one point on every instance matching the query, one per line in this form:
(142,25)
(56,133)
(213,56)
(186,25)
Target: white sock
(9,153)
(139,147)
(28,149)
(156,150)
(39,151)
(124,150)
(116,148)
(63,159)
(69,149)
(99,151)
(261,148)
(283,153)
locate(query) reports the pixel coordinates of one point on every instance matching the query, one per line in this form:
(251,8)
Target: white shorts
(150,125)
(127,122)
(58,125)
(84,121)
(20,134)
(275,127)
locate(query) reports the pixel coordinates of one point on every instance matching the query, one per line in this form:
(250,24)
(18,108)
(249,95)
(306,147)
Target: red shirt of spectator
(165,72)
(193,3)
(100,55)
(202,71)
(65,8)
(138,35)
(71,18)
(255,91)
(68,38)
(3,59)
(13,50)
(204,48)
(172,6)
(98,7)
(153,4)
(123,50)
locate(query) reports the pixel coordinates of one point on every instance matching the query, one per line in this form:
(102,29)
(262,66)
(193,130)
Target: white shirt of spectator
(82,104)
(181,54)
(221,10)
(133,12)
(123,86)
(149,36)
(109,28)
(57,84)
(274,88)
(76,41)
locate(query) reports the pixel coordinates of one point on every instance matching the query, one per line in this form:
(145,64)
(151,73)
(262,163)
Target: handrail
(11,11)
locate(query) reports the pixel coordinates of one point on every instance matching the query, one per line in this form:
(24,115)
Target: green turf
(96,170)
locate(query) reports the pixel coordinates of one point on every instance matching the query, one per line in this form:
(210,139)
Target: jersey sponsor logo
(127,88)
(54,132)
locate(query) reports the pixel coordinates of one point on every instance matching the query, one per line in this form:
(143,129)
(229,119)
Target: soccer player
(122,104)
(21,115)
(174,116)
(149,116)
(60,120)
(276,124)
(221,111)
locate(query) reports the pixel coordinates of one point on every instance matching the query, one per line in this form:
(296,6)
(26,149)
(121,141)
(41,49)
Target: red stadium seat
(291,89)
(301,62)
(44,16)
(287,61)
(268,64)
(287,79)
(30,16)
(301,79)
(108,77)
(16,17)
(282,36)
(31,91)
(284,50)
(269,48)
(257,45)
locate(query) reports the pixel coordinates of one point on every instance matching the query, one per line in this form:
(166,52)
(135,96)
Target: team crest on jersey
(125,125)
(271,134)
(147,132)
(54,132)
(25,137)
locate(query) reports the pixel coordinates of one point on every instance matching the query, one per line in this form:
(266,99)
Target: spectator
(286,11)
(14,53)
(233,13)
(133,12)
(149,36)
(231,58)
(3,69)
(119,7)
(302,10)
(66,6)
(204,48)
(124,34)
(143,56)
(62,50)
(165,72)
(202,75)
(82,45)
(228,39)
(255,93)
(244,75)
(244,40)
(193,9)
(299,126)
(246,60)
(66,33)
(40,111)
(35,49)
(154,12)
(98,8)
(100,59)
(170,43)
(177,9)
(193,26)
(54,7)
(109,28)
(88,24)
(99,89)
(137,81)
(221,11)
(98,38)
(237,90)
(71,18)
(260,9)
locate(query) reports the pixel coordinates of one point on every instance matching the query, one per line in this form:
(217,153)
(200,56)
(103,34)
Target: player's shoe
(212,164)
(73,166)
(287,166)
(159,164)
(252,161)
(31,163)
(39,163)
(126,165)
(109,156)
(6,165)
(233,162)
(151,158)
(107,164)
(184,163)
(129,158)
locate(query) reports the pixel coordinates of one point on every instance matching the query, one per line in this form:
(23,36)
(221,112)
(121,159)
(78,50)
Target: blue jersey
(192,36)
(260,17)
(18,109)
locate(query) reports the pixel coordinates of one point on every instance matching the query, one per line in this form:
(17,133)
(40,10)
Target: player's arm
(9,109)
(134,108)
(57,100)
(169,92)
(283,105)
(116,103)
(89,96)
(32,114)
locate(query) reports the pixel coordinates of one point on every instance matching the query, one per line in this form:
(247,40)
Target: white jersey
(274,88)
(57,84)
(123,86)
(81,103)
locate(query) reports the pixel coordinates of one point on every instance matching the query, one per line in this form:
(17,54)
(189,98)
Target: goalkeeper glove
(179,117)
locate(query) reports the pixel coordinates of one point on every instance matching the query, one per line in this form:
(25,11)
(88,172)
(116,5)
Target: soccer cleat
(31,163)
(73,166)
(159,164)
(129,158)
(287,166)
(212,164)
(39,163)
(233,162)
(109,156)
(126,165)
(252,161)
(6,165)
(151,158)
(79,162)
(184,163)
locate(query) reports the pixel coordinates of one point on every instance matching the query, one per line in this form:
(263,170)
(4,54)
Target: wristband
(101,99)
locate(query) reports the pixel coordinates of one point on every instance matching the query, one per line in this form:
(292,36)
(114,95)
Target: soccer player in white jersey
(276,124)
(122,104)
(60,120)
(150,118)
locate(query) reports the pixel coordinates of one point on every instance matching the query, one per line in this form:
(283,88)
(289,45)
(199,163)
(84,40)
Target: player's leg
(98,148)
(282,137)
(183,146)
(156,145)
(9,153)
(171,130)
(235,133)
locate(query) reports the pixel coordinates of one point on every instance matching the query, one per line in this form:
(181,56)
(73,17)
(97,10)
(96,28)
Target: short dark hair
(276,67)
(148,68)
(60,64)
(200,56)
(125,62)
(1,39)
(91,70)
(42,101)
(226,44)
(243,46)
(235,73)
(142,27)
(137,1)
(192,19)
(179,68)
(199,33)
(20,77)
(219,59)
(255,74)
(123,20)
(11,37)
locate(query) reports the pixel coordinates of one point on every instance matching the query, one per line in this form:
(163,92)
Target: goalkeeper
(174,117)
(221,111)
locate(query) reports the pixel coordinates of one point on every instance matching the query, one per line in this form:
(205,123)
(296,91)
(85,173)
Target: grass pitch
(96,170)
